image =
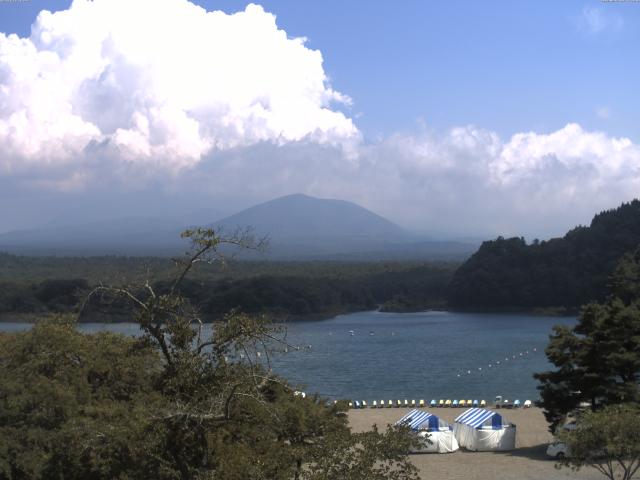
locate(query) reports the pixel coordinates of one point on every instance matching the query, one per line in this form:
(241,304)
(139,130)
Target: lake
(375,355)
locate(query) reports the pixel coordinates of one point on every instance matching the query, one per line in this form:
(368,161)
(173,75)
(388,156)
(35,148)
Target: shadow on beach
(536,452)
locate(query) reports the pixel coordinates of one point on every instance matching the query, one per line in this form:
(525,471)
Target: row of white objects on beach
(439,404)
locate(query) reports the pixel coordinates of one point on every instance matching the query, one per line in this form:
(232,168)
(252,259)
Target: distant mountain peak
(299,215)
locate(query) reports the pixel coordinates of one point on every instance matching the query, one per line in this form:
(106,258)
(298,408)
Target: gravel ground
(527,462)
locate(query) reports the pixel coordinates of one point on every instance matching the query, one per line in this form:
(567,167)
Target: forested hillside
(30,286)
(562,272)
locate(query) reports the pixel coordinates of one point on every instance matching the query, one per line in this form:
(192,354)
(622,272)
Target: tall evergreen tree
(598,360)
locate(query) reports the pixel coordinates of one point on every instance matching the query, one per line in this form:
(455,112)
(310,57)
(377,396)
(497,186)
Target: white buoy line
(498,363)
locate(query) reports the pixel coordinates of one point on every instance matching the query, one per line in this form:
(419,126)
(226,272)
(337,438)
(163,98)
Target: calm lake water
(409,355)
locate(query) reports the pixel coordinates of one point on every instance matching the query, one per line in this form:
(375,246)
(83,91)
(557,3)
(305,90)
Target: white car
(558,450)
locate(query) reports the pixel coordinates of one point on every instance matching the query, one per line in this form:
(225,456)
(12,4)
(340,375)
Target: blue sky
(504,65)
(468,118)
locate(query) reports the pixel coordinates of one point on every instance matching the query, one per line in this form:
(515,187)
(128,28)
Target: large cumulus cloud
(159,83)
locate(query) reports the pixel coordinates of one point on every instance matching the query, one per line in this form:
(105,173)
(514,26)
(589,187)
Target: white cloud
(603,113)
(471,180)
(594,20)
(158,84)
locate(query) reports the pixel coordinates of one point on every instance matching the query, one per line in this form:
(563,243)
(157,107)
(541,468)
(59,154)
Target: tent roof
(476,417)
(420,419)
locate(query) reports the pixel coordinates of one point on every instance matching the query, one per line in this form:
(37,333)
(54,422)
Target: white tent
(436,435)
(482,430)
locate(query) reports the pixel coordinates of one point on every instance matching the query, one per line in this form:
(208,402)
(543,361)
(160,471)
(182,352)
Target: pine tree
(598,360)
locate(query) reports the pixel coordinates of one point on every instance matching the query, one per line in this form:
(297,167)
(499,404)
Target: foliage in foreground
(607,440)
(173,404)
(598,360)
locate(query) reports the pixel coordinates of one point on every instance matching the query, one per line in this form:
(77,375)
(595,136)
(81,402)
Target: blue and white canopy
(479,417)
(421,420)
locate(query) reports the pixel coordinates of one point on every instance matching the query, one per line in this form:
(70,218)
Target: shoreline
(33,317)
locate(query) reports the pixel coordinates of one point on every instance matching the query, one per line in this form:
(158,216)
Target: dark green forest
(285,290)
(561,273)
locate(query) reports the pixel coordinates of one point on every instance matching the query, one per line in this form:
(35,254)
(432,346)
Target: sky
(457,118)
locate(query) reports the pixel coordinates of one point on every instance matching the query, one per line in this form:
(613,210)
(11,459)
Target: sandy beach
(527,462)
